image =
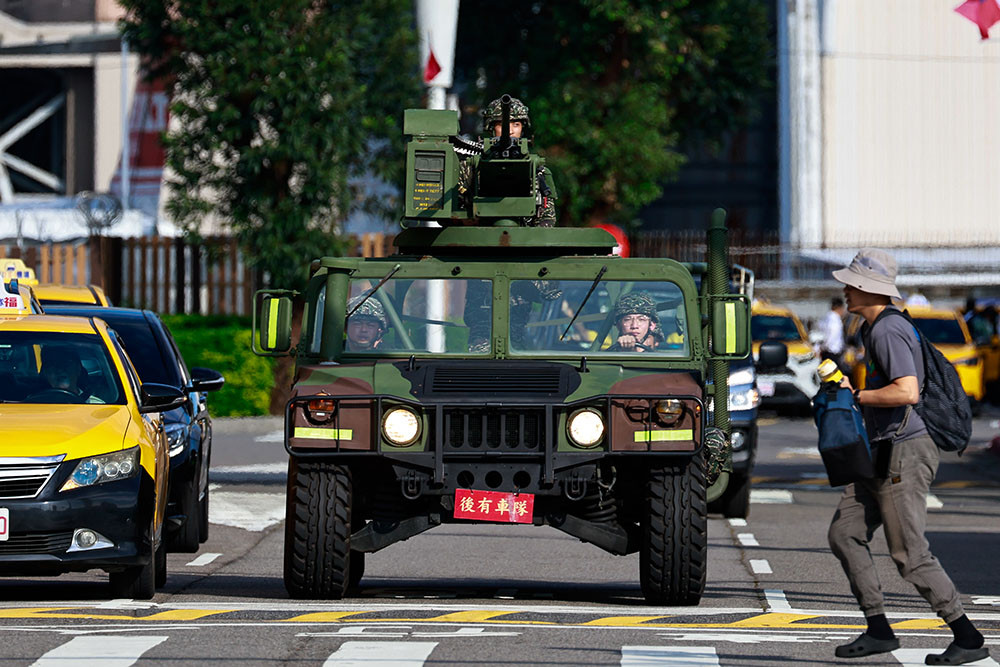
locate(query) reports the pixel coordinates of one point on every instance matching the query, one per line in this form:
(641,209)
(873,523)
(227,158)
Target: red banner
(494,506)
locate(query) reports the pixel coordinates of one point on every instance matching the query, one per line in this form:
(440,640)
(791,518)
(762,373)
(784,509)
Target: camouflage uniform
(546,211)
(371,309)
(522,295)
(638,303)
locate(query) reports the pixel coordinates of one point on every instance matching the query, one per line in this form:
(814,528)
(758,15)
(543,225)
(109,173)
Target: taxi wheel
(317,530)
(203,519)
(735,501)
(673,555)
(161,565)
(187,537)
(137,582)
(357,569)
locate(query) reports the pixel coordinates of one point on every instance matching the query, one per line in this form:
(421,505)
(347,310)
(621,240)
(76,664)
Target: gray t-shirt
(893,342)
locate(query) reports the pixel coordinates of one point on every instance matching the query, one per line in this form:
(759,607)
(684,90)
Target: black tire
(203,519)
(735,502)
(186,539)
(137,582)
(674,551)
(161,565)
(357,570)
(317,530)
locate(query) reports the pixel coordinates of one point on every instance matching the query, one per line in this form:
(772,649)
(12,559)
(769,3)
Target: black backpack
(943,405)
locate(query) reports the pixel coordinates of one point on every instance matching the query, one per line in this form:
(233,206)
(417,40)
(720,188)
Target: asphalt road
(518,595)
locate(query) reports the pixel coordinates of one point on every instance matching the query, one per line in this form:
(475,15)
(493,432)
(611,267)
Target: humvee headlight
(669,410)
(585,427)
(401,426)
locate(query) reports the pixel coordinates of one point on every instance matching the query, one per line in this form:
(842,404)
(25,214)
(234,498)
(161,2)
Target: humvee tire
(317,530)
(674,551)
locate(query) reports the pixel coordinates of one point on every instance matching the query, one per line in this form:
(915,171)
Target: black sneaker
(956,655)
(868,645)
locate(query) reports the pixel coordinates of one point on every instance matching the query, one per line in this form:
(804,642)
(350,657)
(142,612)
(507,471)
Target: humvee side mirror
(773,354)
(730,326)
(274,335)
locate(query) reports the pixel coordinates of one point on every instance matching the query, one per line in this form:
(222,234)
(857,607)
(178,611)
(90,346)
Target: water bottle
(828,372)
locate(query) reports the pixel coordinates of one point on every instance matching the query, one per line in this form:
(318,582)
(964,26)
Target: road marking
(799,452)
(746,638)
(776,600)
(380,654)
(933,503)
(980,599)
(760,566)
(99,651)
(203,559)
(737,523)
(639,656)
(913,657)
(250,511)
(767,496)
(273,436)
(747,540)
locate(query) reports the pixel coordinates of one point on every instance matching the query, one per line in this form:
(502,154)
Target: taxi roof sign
(13,301)
(15,269)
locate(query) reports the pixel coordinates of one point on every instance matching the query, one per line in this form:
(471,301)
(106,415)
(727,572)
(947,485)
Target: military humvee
(494,388)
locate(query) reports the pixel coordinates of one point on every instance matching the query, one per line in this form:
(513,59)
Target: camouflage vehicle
(484,373)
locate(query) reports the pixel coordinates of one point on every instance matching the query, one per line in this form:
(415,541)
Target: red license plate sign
(494,506)
(4,524)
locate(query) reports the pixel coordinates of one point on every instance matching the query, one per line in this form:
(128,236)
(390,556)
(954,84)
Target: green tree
(280,107)
(615,86)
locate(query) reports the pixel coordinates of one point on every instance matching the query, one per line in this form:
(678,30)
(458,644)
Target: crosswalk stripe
(912,657)
(771,496)
(933,502)
(643,656)
(203,559)
(99,651)
(250,511)
(760,566)
(380,654)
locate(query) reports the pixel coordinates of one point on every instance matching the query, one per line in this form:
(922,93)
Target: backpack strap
(866,329)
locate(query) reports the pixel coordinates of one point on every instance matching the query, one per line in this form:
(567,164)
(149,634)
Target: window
(774,327)
(619,317)
(941,331)
(51,368)
(420,315)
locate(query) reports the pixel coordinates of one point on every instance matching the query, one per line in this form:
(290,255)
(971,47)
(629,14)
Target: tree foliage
(615,86)
(280,106)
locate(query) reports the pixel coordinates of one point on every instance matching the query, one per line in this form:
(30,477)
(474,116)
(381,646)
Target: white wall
(911,108)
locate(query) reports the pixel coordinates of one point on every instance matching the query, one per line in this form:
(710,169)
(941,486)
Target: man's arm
(901,391)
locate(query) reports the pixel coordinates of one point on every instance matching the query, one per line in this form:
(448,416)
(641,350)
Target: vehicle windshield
(940,331)
(774,327)
(619,317)
(49,368)
(420,315)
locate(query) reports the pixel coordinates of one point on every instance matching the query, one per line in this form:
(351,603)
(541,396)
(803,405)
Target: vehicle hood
(50,430)
(957,352)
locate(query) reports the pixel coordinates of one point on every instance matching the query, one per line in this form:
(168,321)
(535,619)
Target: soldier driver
(366,326)
(638,324)
(520,126)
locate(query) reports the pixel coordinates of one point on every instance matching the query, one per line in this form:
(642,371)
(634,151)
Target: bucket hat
(872,271)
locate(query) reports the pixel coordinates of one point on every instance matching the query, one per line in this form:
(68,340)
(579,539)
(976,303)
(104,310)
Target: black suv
(189,428)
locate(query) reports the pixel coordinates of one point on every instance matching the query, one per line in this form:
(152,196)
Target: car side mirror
(273,327)
(155,397)
(773,354)
(730,326)
(205,379)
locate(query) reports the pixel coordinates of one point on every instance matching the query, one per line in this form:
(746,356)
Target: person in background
(832,329)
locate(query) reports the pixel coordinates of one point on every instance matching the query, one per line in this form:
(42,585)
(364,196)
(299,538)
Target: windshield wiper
(373,290)
(579,309)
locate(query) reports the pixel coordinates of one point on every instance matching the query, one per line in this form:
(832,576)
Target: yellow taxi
(50,294)
(947,331)
(15,269)
(18,299)
(798,382)
(83,457)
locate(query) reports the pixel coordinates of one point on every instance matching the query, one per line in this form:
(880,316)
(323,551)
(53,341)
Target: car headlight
(669,410)
(401,426)
(104,468)
(744,400)
(585,427)
(738,439)
(742,376)
(177,437)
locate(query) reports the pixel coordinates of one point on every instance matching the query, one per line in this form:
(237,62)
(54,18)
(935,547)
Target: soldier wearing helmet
(638,324)
(366,326)
(520,126)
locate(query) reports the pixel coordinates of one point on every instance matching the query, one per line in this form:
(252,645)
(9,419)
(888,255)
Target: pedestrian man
(366,326)
(832,328)
(906,460)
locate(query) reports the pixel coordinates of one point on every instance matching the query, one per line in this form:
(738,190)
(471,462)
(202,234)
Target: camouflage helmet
(494,114)
(639,303)
(372,308)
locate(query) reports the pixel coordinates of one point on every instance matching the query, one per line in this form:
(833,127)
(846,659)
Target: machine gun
(451,181)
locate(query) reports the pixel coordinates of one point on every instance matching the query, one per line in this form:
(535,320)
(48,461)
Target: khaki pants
(899,504)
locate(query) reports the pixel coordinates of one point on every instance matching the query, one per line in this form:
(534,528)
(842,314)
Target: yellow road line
(61,612)
(623,621)
(919,624)
(322,617)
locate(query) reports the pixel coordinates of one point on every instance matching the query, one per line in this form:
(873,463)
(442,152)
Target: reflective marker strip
(730,328)
(272,324)
(324,433)
(664,436)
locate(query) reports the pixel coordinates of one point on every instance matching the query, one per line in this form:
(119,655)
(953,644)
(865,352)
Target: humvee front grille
(496,380)
(493,429)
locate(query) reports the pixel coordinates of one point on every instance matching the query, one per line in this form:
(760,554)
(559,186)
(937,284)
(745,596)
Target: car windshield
(618,317)
(941,331)
(419,315)
(47,368)
(774,327)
